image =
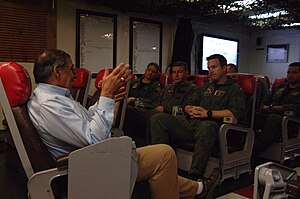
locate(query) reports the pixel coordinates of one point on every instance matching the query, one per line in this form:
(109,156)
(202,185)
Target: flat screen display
(218,45)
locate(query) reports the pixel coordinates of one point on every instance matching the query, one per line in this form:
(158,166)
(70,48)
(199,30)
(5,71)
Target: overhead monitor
(211,44)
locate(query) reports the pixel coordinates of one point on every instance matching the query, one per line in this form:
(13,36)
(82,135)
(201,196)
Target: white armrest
(102,170)
(107,169)
(39,184)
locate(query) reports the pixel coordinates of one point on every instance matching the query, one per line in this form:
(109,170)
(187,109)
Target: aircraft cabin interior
(166,46)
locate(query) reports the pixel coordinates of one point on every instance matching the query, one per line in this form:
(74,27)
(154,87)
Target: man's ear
(56,72)
(225,68)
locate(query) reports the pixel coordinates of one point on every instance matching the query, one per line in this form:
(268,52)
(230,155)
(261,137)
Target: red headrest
(16,82)
(265,79)
(199,79)
(246,82)
(170,79)
(279,81)
(98,81)
(161,77)
(82,78)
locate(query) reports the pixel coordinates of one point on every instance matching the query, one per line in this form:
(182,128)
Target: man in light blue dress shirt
(64,125)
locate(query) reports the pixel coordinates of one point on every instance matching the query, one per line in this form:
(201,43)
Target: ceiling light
(268,15)
(107,36)
(239,5)
(290,25)
(246,3)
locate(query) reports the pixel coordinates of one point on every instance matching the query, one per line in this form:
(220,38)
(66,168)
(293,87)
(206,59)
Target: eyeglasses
(73,69)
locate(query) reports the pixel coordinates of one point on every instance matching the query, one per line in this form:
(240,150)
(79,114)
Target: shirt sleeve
(72,124)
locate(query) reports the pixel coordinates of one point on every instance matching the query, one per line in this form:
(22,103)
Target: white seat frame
(287,149)
(95,171)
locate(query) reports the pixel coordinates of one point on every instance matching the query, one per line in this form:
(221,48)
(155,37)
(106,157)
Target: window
(26,29)
(277,53)
(145,44)
(96,40)
(210,45)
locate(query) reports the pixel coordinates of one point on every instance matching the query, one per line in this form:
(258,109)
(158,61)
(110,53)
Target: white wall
(258,54)
(224,29)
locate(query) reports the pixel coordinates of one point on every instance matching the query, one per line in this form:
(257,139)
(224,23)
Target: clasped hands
(196,111)
(114,84)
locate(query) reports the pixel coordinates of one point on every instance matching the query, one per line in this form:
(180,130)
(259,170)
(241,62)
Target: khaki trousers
(158,165)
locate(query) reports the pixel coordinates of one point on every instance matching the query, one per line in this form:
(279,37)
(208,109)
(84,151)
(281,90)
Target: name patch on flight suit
(295,93)
(158,88)
(219,93)
(208,91)
(280,91)
(171,89)
(135,85)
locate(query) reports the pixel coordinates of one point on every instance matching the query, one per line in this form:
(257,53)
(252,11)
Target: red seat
(162,79)
(170,79)
(80,86)
(99,77)
(264,79)
(98,85)
(198,79)
(119,108)
(279,81)
(250,86)
(41,169)
(288,147)
(195,78)
(82,77)
(262,90)
(17,85)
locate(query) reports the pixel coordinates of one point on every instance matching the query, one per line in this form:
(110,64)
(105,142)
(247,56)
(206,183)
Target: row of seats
(233,160)
(197,79)
(236,140)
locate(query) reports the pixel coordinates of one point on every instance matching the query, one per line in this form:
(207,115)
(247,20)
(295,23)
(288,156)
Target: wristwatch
(209,114)
(270,107)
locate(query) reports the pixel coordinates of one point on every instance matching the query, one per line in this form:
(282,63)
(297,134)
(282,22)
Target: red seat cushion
(161,78)
(279,81)
(198,79)
(246,82)
(99,77)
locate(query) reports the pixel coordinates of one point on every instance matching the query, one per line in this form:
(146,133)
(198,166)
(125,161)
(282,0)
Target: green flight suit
(270,122)
(204,132)
(136,123)
(287,97)
(147,93)
(173,95)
